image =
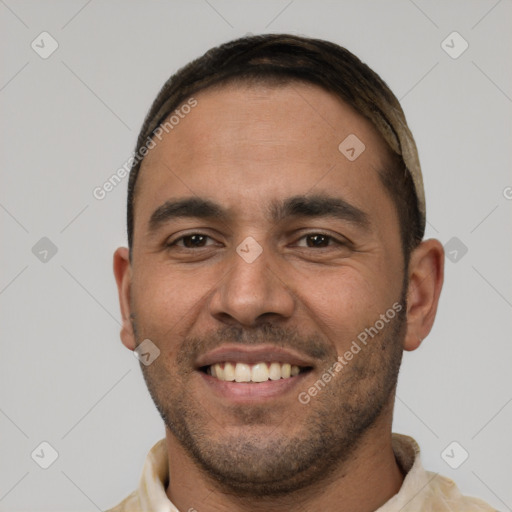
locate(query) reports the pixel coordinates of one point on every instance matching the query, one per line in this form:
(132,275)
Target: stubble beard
(250,463)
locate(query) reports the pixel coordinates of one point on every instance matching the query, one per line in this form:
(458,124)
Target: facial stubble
(248,451)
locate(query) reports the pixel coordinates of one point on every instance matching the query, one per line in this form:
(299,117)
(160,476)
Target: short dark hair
(280,59)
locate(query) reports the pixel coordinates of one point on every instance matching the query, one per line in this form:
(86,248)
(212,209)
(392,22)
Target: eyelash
(332,240)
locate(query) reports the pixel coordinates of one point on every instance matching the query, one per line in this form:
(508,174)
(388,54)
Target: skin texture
(248,149)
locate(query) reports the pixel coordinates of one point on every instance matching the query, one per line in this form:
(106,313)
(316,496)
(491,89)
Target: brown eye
(193,241)
(317,240)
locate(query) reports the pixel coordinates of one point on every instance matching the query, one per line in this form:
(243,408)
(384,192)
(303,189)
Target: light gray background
(69,121)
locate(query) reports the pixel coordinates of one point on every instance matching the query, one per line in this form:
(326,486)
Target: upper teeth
(259,372)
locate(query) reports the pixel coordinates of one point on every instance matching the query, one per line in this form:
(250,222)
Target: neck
(363,483)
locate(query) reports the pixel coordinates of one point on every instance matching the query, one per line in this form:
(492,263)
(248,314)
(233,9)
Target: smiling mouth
(259,372)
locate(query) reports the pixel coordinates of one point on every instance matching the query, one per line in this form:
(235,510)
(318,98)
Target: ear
(123,275)
(426,275)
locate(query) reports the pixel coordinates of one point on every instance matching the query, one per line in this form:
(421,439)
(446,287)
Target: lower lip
(251,392)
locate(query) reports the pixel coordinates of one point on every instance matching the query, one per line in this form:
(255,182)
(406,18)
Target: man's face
(319,260)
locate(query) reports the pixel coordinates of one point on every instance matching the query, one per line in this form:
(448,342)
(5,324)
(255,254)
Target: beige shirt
(421,491)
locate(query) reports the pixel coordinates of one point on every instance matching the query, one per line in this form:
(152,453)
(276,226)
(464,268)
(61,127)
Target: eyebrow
(187,207)
(297,206)
(319,206)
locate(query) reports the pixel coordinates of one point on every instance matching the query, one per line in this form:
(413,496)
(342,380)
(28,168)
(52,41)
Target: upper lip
(251,355)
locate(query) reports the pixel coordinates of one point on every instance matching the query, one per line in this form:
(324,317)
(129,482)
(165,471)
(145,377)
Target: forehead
(256,141)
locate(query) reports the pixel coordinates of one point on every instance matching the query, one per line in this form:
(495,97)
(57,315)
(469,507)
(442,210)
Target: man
(275,274)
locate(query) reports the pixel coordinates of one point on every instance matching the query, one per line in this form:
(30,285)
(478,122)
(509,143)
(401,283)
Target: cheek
(343,302)
(164,301)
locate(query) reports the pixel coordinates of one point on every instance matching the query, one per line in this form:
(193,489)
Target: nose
(252,291)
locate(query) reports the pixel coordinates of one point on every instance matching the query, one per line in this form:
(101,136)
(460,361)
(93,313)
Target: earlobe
(426,274)
(123,276)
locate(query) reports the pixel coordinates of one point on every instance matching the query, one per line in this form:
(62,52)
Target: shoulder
(445,495)
(425,490)
(130,504)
